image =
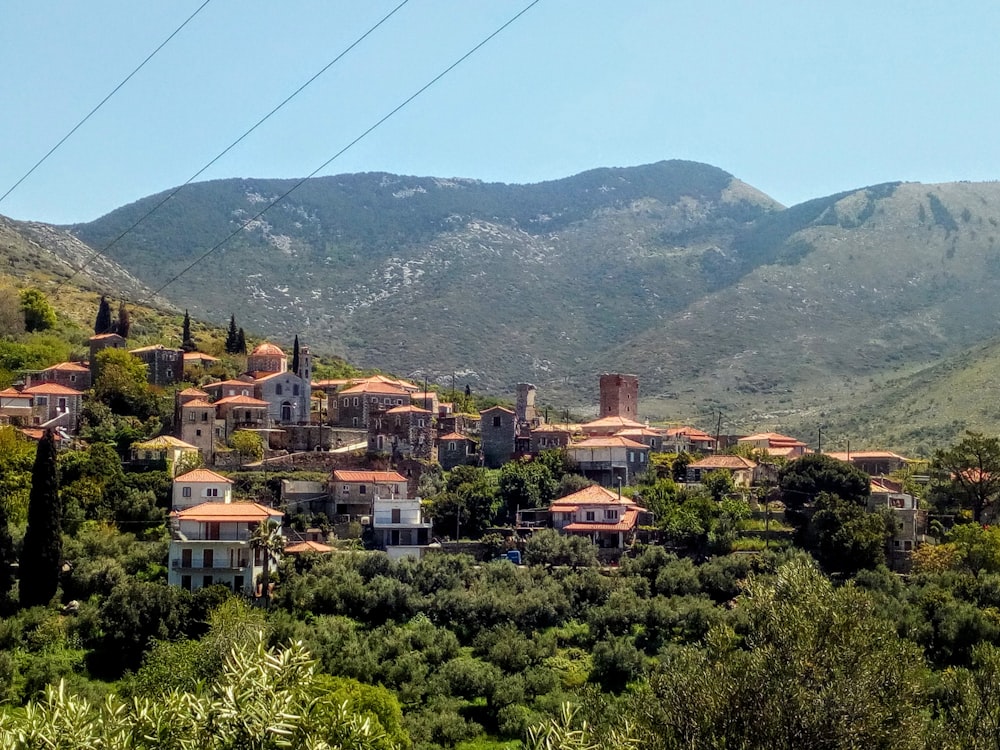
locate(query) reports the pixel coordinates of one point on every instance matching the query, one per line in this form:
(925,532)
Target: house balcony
(178,565)
(224,536)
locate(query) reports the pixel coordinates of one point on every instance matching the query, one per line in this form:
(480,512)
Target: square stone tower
(619,395)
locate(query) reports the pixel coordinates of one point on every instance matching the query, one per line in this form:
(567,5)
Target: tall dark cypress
(7,558)
(41,555)
(232,337)
(241,342)
(295,355)
(103,322)
(124,320)
(187,343)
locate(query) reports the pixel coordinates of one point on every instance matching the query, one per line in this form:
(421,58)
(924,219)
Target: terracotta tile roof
(14,393)
(385,379)
(202,475)
(492,408)
(165,441)
(592,495)
(563,428)
(608,442)
(628,521)
(67,367)
(454,436)
(199,403)
(37,433)
(324,384)
(379,387)
(408,409)
(691,433)
(639,431)
(240,401)
(258,377)
(227,512)
(733,463)
(267,349)
(369,477)
(52,389)
(200,355)
(102,336)
(192,392)
(774,439)
(298,549)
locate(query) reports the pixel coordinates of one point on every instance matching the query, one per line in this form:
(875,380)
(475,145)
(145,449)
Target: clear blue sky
(798,99)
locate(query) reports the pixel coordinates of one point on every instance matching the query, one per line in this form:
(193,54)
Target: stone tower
(619,395)
(524,405)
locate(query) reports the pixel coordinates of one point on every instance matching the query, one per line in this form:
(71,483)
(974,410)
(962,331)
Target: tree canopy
(802,480)
(969,473)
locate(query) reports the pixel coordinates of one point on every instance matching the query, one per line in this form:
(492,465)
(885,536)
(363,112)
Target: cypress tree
(41,555)
(241,342)
(124,320)
(295,355)
(7,558)
(103,322)
(187,343)
(232,337)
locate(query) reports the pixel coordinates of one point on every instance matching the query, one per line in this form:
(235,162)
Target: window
(496,421)
(355,400)
(451,445)
(610,514)
(277,389)
(204,416)
(399,402)
(185,558)
(420,422)
(295,389)
(72,378)
(361,490)
(185,492)
(191,416)
(212,492)
(589,515)
(346,490)
(197,433)
(41,401)
(208,559)
(396,515)
(62,404)
(347,402)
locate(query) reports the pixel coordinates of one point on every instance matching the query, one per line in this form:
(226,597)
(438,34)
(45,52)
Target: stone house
(403,431)
(455,449)
(55,406)
(609,460)
(74,375)
(353,491)
(497,429)
(163,366)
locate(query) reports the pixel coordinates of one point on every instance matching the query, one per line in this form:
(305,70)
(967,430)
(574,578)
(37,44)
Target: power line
(104,101)
(350,145)
(231,146)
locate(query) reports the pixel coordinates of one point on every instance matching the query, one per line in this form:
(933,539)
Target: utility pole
(819,445)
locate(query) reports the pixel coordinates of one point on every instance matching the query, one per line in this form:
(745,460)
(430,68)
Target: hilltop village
(380,441)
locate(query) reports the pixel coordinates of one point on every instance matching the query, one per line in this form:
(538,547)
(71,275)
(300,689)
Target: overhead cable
(350,145)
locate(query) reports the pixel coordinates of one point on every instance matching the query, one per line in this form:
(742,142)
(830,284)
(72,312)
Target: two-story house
(163,366)
(354,491)
(742,470)
(74,375)
(165,449)
(603,516)
(609,460)
(455,449)
(211,544)
(775,444)
(55,405)
(358,404)
(497,432)
(399,526)
(403,431)
(15,407)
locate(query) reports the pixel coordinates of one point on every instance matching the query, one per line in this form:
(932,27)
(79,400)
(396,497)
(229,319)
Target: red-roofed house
(550,437)
(608,460)
(70,374)
(55,405)
(872,462)
(210,544)
(608,426)
(775,444)
(353,490)
(15,407)
(687,440)
(358,404)
(608,519)
(456,449)
(742,470)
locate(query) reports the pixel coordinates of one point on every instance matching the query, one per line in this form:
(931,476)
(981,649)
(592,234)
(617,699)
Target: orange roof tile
(223,383)
(202,475)
(192,392)
(52,389)
(381,388)
(733,463)
(371,477)
(408,409)
(14,393)
(640,431)
(267,349)
(593,495)
(774,439)
(628,521)
(492,408)
(198,403)
(200,355)
(608,442)
(67,367)
(240,401)
(454,436)
(611,422)
(227,512)
(861,455)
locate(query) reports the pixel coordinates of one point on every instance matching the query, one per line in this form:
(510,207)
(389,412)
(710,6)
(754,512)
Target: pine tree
(232,337)
(124,320)
(295,355)
(103,322)
(241,342)
(187,342)
(41,555)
